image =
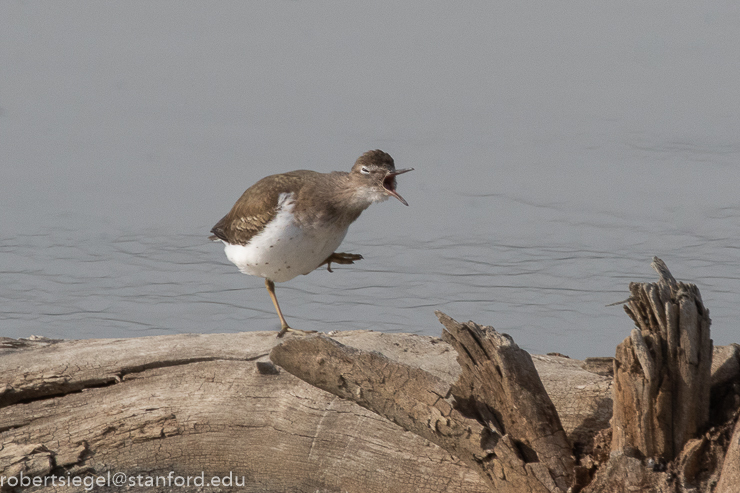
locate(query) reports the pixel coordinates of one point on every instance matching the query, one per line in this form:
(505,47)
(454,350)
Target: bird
(290,224)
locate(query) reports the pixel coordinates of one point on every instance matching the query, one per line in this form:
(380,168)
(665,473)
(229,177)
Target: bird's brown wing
(256,207)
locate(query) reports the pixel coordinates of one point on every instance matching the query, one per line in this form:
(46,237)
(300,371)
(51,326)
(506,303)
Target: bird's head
(375,173)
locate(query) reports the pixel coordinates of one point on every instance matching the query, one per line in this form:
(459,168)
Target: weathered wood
(196,403)
(725,393)
(729,481)
(408,396)
(725,364)
(662,371)
(664,381)
(500,421)
(625,474)
(214,403)
(500,385)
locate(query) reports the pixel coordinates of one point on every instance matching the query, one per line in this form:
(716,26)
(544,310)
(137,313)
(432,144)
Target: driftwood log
(215,404)
(376,412)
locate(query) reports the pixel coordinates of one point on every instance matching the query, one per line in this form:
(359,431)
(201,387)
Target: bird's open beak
(389,183)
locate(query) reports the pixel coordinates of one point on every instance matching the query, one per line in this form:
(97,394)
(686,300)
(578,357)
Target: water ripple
(132,285)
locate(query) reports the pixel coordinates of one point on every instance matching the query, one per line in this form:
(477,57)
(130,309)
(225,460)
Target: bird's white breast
(283,249)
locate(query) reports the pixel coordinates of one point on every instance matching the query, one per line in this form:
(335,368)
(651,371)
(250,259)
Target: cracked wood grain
(500,384)
(230,411)
(237,412)
(511,454)
(663,370)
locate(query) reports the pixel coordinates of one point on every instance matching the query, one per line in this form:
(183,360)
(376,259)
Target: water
(557,149)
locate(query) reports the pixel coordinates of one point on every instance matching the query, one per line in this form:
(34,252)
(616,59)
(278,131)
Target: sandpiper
(290,224)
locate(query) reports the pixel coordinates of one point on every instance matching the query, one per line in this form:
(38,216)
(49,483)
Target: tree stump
(662,371)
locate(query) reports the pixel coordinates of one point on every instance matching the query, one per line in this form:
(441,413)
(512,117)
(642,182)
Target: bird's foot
(341,258)
(287,329)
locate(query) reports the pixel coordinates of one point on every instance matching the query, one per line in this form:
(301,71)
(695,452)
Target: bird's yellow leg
(284,327)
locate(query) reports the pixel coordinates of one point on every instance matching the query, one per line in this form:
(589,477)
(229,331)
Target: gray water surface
(557,148)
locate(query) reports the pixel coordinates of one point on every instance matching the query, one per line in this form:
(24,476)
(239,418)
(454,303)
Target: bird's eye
(364,171)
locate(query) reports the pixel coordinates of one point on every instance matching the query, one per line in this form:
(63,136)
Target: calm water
(557,149)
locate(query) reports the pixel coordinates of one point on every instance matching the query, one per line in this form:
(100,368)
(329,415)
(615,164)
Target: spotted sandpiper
(290,224)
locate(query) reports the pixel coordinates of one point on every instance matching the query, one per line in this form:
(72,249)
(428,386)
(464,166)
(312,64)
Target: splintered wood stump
(500,386)
(497,417)
(662,370)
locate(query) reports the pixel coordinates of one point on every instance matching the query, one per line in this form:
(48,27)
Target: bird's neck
(356,193)
(342,198)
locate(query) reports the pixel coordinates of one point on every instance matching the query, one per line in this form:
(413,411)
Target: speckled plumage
(290,224)
(318,197)
(283,249)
